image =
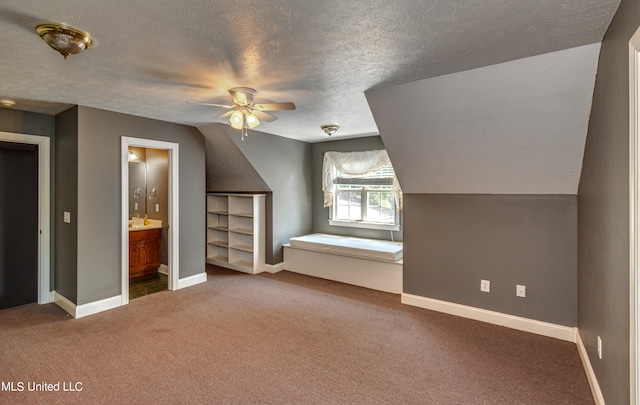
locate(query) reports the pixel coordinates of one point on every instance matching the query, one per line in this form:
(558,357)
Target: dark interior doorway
(18,224)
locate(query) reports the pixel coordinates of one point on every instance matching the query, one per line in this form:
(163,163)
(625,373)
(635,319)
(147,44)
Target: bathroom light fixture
(64,39)
(330,129)
(7,103)
(132,156)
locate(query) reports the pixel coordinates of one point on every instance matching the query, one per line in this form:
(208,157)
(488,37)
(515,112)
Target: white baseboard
(192,280)
(164,269)
(591,376)
(497,318)
(64,303)
(79,311)
(274,268)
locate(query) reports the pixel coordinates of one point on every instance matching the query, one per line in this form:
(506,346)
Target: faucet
(146,220)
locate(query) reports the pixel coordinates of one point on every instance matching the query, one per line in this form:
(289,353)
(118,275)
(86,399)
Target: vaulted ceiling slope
(513,128)
(151,56)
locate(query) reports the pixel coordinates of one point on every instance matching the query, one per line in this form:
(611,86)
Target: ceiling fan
(244,113)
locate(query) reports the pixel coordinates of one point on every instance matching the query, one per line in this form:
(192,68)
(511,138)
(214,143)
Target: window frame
(364,184)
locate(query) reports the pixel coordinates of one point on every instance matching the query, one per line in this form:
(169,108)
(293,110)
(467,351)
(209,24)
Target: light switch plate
(485,285)
(157,207)
(67,217)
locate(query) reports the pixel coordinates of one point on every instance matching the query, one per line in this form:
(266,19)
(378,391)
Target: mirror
(137,189)
(148,183)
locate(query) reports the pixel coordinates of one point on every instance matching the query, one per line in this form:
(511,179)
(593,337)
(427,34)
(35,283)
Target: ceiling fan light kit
(245,114)
(64,39)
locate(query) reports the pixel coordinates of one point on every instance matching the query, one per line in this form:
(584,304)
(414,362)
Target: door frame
(634,215)
(174,213)
(45,295)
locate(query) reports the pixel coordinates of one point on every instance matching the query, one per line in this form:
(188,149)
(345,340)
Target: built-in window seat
(370,263)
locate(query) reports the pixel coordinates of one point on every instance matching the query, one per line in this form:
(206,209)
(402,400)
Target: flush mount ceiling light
(64,39)
(330,129)
(7,103)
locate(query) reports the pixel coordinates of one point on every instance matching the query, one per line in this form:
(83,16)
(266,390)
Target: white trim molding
(79,311)
(174,209)
(634,228)
(192,280)
(64,303)
(44,208)
(497,318)
(591,376)
(274,268)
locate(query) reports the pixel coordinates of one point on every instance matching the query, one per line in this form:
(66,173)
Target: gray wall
(603,221)
(99,201)
(66,199)
(22,122)
(284,165)
(454,241)
(321,214)
(228,169)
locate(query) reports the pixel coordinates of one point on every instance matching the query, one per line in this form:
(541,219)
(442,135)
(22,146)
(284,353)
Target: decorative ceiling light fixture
(64,39)
(330,129)
(244,114)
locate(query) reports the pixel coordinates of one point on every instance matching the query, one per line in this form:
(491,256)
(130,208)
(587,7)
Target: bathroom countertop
(137,224)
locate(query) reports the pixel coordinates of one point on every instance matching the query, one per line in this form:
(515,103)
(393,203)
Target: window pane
(349,205)
(380,207)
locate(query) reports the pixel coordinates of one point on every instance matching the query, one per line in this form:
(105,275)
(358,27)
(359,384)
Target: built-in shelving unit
(236,232)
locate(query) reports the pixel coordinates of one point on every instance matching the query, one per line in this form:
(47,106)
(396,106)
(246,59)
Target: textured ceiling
(150,57)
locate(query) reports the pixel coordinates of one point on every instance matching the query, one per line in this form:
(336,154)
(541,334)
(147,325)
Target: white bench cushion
(349,246)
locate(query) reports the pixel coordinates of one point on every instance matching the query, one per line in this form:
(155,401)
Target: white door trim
(44,209)
(174,269)
(634,236)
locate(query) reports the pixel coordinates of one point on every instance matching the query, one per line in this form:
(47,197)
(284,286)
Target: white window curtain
(357,164)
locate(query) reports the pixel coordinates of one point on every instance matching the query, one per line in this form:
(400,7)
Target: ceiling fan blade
(264,116)
(224,115)
(211,105)
(275,106)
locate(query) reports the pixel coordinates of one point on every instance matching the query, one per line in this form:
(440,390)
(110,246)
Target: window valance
(355,164)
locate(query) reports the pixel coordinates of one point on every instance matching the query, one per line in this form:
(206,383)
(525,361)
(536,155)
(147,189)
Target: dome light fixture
(330,129)
(64,39)
(7,103)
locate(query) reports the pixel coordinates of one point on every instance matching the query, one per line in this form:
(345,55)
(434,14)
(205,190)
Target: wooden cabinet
(145,249)
(235,231)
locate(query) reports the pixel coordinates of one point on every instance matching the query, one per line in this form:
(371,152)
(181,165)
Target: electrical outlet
(521,291)
(157,207)
(599,348)
(485,285)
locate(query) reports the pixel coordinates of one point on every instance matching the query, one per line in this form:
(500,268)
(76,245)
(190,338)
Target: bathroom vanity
(145,248)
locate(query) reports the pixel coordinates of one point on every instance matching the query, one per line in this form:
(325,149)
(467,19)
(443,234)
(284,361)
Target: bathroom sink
(137,224)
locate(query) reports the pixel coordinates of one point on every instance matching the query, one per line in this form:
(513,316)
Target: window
(362,190)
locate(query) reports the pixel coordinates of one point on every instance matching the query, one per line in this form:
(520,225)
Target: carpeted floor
(278,339)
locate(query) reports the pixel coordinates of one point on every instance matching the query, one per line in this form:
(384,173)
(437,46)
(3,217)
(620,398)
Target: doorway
(148,201)
(42,255)
(18,224)
(152,201)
